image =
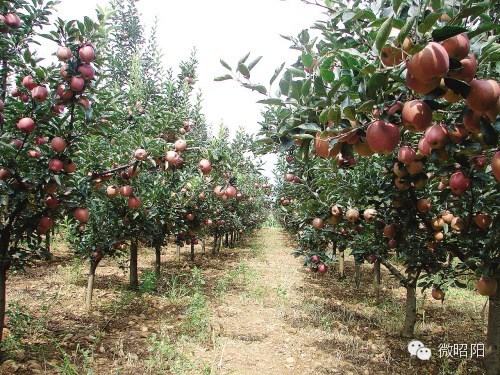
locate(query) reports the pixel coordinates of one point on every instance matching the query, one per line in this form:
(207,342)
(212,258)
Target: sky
(226,29)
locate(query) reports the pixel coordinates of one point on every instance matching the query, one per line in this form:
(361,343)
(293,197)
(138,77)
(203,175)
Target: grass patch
(196,323)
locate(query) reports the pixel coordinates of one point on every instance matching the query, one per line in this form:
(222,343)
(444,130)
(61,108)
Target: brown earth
(252,309)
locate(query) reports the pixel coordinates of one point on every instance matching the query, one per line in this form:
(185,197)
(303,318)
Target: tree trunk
(178,253)
(203,246)
(341,263)
(357,274)
(90,284)
(158,259)
(134,276)
(220,243)
(226,243)
(214,247)
(411,304)
(376,280)
(3,297)
(492,352)
(47,244)
(192,251)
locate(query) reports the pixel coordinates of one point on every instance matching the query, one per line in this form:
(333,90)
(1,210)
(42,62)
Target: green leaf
(304,37)
(297,72)
(405,30)
(244,58)
(383,33)
(319,87)
(277,72)
(306,88)
(303,136)
(349,112)
(271,101)
(223,78)
(285,83)
(243,69)
(429,22)
(307,60)
(376,82)
(259,88)
(254,62)
(396,4)
(447,32)
(366,106)
(311,127)
(483,28)
(490,135)
(225,64)
(327,75)
(457,86)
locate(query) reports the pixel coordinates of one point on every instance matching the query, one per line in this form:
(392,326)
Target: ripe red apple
(46,222)
(318,223)
(416,115)
(393,243)
(322,268)
(436,136)
(495,165)
(382,137)
(12,20)
(1,105)
(180,145)
(134,202)
(230,191)
(64,53)
(430,63)
(26,125)
(424,205)
(458,46)
(28,82)
(457,224)
(76,84)
(87,54)
(69,167)
(289,159)
(51,201)
(35,154)
(391,56)
(140,154)
(190,217)
(322,146)
(39,94)
(81,214)
(64,93)
(314,259)
(468,70)
(3,26)
(482,220)
(400,170)
(56,165)
(205,166)
(336,211)
(415,167)
(171,156)
(219,191)
(5,174)
(437,294)
(406,154)
(487,286)
(289,177)
(126,190)
(484,94)
(447,216)
(421,87)
(390,230)
(87,72)
(458,135)
(58,144)
(459,183)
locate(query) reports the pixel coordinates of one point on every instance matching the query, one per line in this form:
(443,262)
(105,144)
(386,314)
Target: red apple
(12,20)
(58,144)
(487,286)
(406,154)
(382,137)
(87,72)
(26,125)
(64,53)
(76,84)
(126,191)
(39,94)
(416,115)
(56,165)
(180,145)
(436,136)
(459,183)
(205,166)
(430,63)
(87,54)
(134,203)
(458,46)
(140,154)
(51,201)
(81,214)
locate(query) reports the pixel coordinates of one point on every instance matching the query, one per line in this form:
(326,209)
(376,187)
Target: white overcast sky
(225,29)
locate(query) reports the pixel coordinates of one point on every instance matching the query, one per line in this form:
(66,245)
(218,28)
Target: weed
(19,325)
(73,273)
(149,282)
(197,319)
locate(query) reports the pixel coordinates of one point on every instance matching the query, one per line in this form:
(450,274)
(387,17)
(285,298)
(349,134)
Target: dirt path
(266,331)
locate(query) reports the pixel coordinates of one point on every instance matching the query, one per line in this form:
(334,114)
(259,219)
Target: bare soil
(252,309)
